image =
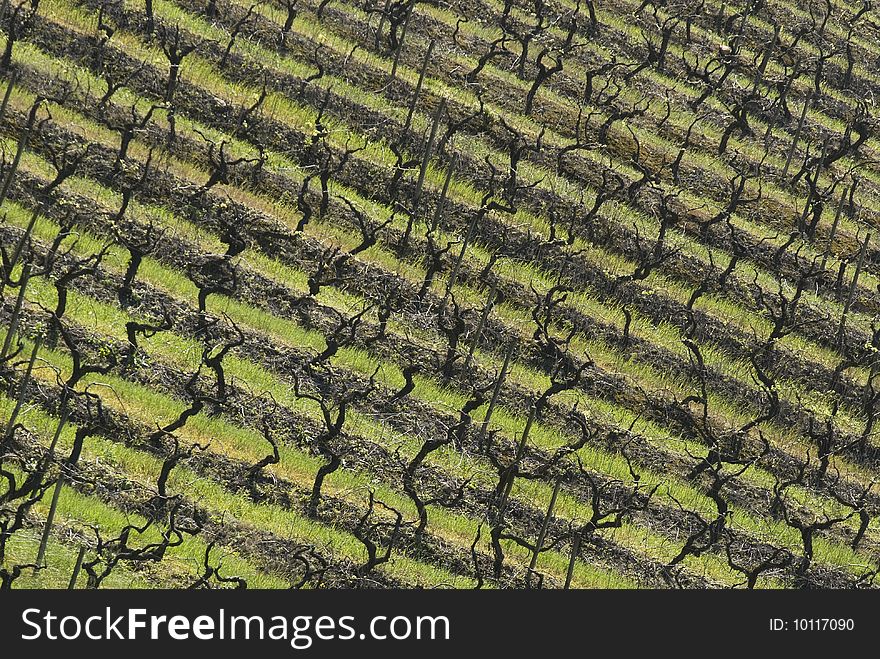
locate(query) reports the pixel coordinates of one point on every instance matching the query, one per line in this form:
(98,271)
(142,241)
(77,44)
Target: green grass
(302,117)
(248,316)
(246,445)
(286,332)
(273,268)
(147,405)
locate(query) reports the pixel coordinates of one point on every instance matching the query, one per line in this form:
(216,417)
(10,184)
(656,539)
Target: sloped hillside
(472,293)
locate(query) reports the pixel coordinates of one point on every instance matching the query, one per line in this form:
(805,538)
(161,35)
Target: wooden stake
(833,230)
(441,203)
(544,526)
(453,277)
(12,80)
(510,476)
(485,315)
(76,568)
(21,394)
(797,134)
(409,12)
(852,290)
(415,99)
(18,250)
(16,311)
(496,391)
(575,550)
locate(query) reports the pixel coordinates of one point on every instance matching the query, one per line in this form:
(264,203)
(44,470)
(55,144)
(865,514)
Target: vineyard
(439,294)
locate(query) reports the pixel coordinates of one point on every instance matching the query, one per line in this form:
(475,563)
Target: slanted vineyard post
(53,507)
(496,392)
(418,90)
(510,474)
(10,427)
(18,250)
(831,235)
(797,134)
(22,145)
(575,550)
(852,290)
(50,518)
(803,227)
(16,311)
(382,16)
(441,203)
(76,568)
(453,276)
(479,330)
(426,159)
(409,12)
(13,78)
(544,526)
